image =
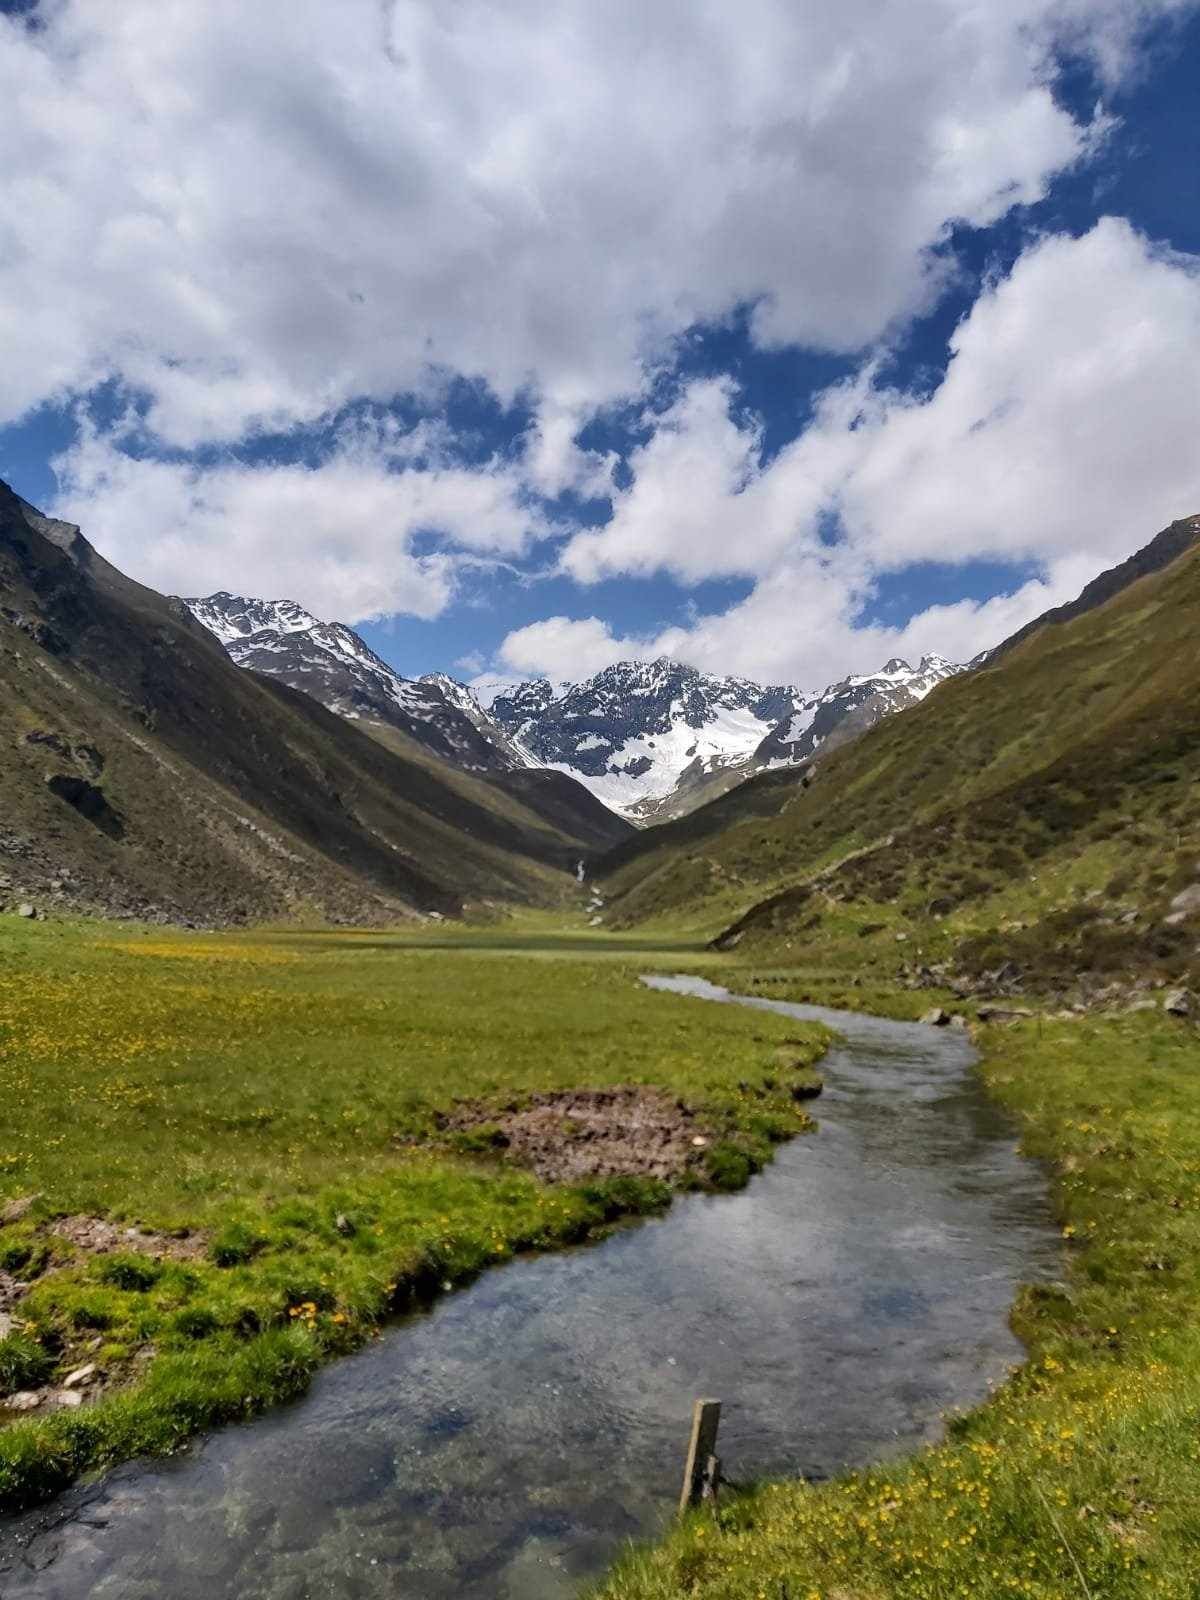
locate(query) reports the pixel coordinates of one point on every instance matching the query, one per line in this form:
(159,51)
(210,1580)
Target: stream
(505,1444)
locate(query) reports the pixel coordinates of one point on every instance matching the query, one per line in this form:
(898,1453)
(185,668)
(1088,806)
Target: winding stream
(505,1444)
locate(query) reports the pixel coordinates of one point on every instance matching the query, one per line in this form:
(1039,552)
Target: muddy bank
(575,1134)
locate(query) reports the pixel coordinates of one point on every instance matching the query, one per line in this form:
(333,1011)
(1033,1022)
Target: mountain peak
(336,666)
(233,616)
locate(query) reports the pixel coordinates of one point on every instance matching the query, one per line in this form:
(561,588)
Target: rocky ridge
(337,667)
(653,740)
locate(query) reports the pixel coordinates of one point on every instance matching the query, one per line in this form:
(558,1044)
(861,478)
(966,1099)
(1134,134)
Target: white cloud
(801,625)
(1067,421)
(258,212)
(337,537)
(568,649)
(1064,433)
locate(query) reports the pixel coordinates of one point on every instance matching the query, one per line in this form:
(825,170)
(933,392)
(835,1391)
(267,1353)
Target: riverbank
(1081,1477)
(274,1116)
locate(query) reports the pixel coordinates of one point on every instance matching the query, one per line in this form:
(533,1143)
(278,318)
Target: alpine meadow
(600,801)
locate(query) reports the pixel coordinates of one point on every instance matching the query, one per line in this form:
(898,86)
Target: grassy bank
(1082,1476)
(270,1103)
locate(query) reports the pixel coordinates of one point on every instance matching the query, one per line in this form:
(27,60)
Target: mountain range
(651,740)
(226,760)
(1038,815)
(336,666)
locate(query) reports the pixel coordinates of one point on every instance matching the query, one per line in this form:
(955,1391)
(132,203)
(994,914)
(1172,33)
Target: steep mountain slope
(1162,550)
(850,707)
(433,714)
(336,666)
(147,775)
(1044,805)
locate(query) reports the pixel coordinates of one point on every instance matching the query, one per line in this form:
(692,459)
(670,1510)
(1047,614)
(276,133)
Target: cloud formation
(254,214)
(338,537)
(1063,432)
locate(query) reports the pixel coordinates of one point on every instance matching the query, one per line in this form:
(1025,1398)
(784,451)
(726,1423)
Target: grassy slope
(1007,817)
(256,1087)
(1082,1476)
(574,822)
(239,798)
(1067,767)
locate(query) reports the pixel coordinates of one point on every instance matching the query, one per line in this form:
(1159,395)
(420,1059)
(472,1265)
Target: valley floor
(270,1106)
(227,1158)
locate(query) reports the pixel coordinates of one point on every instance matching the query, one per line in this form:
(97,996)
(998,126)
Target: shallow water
(507,1443)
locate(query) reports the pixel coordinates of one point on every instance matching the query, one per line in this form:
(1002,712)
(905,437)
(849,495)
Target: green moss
(130,1272)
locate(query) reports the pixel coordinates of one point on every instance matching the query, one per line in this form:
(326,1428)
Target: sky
(529,335)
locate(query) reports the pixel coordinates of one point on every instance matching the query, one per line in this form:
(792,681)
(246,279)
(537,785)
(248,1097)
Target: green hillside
(146,775)
(1041,809)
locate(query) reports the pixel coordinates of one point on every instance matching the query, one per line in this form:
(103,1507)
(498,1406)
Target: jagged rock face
(633,731)
(650,739)
(851,707)
(334,665)
(232,617)
(654,739)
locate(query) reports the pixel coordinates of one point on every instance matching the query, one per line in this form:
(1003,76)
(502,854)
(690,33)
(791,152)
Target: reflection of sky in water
(507,1443)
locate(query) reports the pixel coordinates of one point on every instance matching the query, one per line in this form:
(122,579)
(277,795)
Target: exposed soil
(11,1290)
(99,1237)
(593,1133)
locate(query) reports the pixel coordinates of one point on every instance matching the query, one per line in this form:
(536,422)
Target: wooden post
(706,1418)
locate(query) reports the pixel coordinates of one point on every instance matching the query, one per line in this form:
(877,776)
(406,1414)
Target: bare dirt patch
(11,1290)
(592,1133)
(99,1237)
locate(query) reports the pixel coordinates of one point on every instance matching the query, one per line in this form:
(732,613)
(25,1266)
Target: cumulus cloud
(256,213)
(1064,432)
(567,649)
(337,536)
(1065,423)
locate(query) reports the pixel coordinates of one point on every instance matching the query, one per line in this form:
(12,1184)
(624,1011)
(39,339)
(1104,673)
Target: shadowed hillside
(146,775)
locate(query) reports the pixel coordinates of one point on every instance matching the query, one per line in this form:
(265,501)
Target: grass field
(255,1089)
(1082,1477)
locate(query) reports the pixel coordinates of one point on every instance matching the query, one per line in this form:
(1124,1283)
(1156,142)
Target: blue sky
(778,342)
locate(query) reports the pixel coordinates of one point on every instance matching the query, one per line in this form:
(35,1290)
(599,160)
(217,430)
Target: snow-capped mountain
(638,730)
(649,739)
(334,665)
(655,739)
(851,707)
(231,617)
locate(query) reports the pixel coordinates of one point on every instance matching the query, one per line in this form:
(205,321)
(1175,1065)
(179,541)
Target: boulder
(24,1400)
(80,1375)
(1178,1003)
(26,910)
(16,1209)
(1187,901)
(937,1018)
